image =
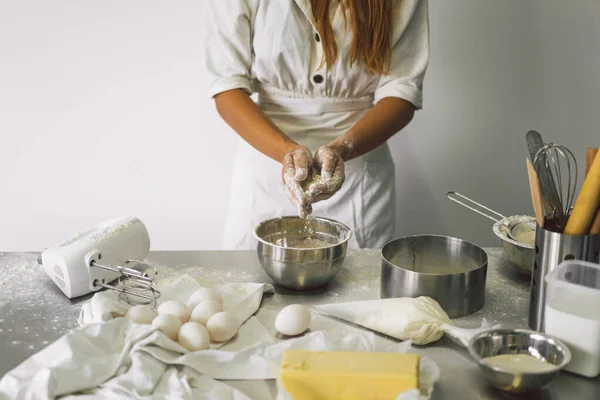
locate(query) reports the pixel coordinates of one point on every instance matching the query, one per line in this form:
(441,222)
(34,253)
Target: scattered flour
(31,305)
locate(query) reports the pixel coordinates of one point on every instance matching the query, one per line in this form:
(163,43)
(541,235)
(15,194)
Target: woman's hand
(296,169)
(330,163)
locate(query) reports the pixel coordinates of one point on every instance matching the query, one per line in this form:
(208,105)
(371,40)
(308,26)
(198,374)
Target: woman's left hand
(331,166)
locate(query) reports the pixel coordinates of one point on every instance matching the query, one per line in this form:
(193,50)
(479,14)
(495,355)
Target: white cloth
(120,359)
(271,48)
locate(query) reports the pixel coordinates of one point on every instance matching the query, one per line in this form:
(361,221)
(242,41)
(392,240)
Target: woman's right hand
(297,165)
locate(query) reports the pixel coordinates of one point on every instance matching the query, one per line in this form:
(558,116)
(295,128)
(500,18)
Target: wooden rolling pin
(587,202)
(590,156)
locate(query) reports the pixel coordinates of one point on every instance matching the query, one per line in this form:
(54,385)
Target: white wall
(103,112)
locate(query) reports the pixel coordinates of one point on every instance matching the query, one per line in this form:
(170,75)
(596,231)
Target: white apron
(273,48)
(366,202)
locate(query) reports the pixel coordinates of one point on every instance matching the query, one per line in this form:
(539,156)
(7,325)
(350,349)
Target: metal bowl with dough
(301,254)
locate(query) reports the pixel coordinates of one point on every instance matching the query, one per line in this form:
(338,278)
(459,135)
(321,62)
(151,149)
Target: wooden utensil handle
(587,202)
(590,156)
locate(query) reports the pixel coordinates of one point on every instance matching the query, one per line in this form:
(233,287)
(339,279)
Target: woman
(334,79)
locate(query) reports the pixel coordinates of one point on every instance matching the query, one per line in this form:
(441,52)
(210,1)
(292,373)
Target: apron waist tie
(315,105)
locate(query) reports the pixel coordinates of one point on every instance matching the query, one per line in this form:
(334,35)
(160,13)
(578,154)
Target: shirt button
(318,78)
(317,37)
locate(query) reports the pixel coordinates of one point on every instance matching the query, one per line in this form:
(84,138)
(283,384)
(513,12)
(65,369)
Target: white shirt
(272,47)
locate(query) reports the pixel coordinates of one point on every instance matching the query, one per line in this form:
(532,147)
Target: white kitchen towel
(420,320)
(120,359)
(242,299)
(123,359)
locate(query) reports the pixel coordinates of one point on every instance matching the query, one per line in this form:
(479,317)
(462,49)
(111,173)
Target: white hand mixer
(92,259)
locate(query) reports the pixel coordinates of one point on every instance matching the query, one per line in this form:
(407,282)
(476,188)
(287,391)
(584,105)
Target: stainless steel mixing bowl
(495,342)
(301,268)
(449,270)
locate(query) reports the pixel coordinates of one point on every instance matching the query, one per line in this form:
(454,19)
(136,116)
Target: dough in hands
(141,313)
(194,337)
(204,294)
(222,326)
(177,308)
(203,311)
(169,324)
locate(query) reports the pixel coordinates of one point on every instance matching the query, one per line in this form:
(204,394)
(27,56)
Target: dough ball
(203,311)
(142,314)
(222,326)
(193,336)
(176,308)
(204,294)
(169,324)
(293,320)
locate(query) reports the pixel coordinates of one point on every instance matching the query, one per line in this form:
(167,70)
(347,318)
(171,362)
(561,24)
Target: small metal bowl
(520,255)
(495,342)
(284,256)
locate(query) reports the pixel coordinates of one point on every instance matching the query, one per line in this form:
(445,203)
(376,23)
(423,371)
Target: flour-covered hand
(296,170)
(331,166)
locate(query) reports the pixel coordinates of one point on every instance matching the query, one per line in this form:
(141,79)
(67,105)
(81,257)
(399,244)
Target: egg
(142,314)
(293,320)
(177,308)
(222,326)
(169,324)
(203,311)
(204,294)
(194,337)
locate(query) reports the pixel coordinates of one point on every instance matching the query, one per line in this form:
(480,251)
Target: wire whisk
(561,167)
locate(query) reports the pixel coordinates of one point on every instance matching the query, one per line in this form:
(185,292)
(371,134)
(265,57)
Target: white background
(103,113)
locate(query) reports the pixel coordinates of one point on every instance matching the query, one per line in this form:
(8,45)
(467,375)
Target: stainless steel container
(449,270)
(552,248)
(496,342)
(301,254)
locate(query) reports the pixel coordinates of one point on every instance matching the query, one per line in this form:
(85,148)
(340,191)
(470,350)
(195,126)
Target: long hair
(372,29)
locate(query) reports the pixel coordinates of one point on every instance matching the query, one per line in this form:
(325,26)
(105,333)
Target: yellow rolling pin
(590,157)
(587,202)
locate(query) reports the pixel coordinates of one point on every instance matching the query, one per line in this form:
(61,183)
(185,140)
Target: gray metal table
(34,313)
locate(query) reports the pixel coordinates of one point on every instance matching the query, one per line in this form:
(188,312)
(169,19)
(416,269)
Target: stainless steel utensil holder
(552,248)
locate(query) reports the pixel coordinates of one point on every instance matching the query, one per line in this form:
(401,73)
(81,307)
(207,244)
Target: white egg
(176,308)
(142,314)
(193,336)
(203,311)
(169,324)
(222,326)
(293,320)
(204,294)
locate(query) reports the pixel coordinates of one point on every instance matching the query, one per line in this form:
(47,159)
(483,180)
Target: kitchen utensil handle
(548,188)
(587,202)
(536,195)
(590,156)
(450,195)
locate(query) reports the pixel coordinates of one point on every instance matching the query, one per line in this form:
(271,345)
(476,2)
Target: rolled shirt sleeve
(228,50)
(410,55)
